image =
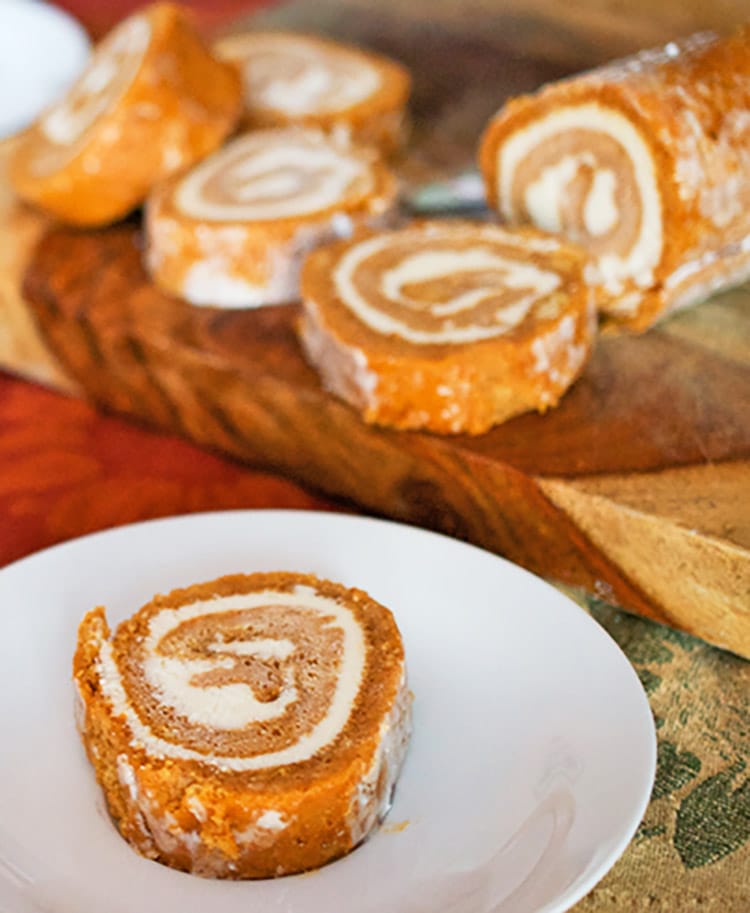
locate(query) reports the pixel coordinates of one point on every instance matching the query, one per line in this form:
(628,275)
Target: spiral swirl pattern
(242,682)
(444,285)
(295,75)
(275,174)
(586,172)
(114,65)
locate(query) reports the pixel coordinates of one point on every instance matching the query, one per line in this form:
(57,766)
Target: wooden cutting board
(637,488)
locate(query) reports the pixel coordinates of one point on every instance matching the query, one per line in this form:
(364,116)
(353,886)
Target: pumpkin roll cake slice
(292,78)
(232,232)
(448,326)
(152,101)
(249,727)
(646,162)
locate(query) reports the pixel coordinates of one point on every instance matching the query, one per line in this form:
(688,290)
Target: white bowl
(42,51)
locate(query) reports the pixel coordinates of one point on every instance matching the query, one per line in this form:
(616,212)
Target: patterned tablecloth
(66,470)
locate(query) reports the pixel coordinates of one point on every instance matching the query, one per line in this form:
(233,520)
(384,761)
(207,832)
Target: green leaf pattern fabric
(692,850)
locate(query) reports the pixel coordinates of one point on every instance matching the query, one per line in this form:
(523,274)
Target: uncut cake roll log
(647,163)
(232,232)
(448,326)
(291,78)
(152,101)
(249,727)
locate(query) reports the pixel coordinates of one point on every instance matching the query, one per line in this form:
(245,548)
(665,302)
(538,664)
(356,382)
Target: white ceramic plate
(530,766)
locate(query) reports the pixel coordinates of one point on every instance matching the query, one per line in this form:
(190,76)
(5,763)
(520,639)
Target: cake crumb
(396,827)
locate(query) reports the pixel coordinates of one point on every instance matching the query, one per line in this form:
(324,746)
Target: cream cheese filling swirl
(243,682)
(297,77)
(586,172)
(274,174)
(113,68)
(442,287)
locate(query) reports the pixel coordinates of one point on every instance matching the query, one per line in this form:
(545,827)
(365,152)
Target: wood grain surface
(636,488)
(632,488)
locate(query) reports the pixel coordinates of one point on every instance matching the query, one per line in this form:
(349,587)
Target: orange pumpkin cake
(249,727)
(646,162)
(232,232)
(151,102)
(448,326)
(291,78)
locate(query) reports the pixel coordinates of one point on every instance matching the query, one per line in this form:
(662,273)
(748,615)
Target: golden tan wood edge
(681,536)
(21,346)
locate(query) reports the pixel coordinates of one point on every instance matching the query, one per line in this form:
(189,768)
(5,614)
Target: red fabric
(66,470)
(100,15)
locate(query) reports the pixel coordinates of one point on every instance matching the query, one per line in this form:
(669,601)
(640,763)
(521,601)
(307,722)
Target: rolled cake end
(643,162)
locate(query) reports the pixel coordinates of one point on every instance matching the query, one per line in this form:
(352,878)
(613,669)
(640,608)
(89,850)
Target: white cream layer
(274,174)
(208,282)
(236,701)
(230,706)
(296,76)
(430,265)
(113,67)
(600,211)
(544,197)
